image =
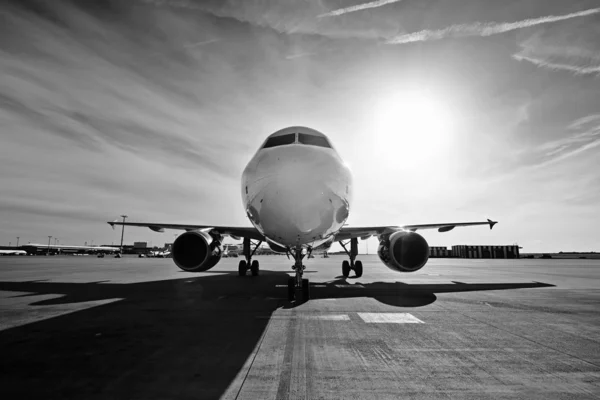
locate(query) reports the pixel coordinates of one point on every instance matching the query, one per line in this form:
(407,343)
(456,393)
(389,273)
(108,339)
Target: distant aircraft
(40,248)
(12,252)
(160,253)
(297,192)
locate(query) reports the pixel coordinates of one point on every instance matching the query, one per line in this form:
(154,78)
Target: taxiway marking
(389,318)
(320,317)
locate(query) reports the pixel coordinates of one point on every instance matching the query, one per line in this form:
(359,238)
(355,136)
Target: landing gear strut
(298,288)
(248,264)
(352,265)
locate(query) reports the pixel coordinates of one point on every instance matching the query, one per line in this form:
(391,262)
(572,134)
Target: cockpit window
(312,140)
(280,140)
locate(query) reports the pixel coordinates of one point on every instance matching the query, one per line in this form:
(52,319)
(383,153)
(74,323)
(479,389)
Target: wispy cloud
(358,7)
(299,55)
(578,70)
(202,43)
(173,3)
(570,46)
(582,122)
(585,136)
(484,28)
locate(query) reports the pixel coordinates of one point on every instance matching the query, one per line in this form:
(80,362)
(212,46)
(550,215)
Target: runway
(89,328)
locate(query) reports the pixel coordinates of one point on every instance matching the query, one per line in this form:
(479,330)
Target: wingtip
(492,223)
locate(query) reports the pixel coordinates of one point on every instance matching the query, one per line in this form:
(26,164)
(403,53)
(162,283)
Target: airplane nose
(299,198)
(300,211)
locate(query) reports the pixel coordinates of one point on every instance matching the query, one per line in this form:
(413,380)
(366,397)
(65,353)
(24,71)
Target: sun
(411,126)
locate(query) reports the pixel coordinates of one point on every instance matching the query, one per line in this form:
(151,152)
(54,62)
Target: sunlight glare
(411,126)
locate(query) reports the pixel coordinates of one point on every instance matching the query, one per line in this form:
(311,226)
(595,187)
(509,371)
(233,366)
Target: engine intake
(196,251)
(403,251)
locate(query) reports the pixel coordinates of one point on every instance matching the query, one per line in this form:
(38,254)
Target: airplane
(41,248)
(297,194)
(12,252)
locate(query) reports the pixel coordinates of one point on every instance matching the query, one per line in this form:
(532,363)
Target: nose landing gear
(298,288)
(353,264)
(248,263)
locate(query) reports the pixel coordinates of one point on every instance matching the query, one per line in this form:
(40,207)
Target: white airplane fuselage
(297,195)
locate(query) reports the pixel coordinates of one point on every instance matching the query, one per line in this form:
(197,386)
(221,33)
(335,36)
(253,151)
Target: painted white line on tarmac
(389,318)
(319,317)
(331,317)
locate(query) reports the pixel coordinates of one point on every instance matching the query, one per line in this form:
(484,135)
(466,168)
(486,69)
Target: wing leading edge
(364,232)
(248,232)
(344,234)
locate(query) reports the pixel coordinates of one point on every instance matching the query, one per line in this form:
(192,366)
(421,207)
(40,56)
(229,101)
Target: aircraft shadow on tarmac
(183,338)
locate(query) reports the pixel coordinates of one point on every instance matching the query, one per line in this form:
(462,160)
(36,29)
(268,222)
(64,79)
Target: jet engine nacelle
(403,251)
(196,251)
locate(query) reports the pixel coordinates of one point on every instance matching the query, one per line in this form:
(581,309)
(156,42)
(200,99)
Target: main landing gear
(352,265)
(298,288)
(248,264)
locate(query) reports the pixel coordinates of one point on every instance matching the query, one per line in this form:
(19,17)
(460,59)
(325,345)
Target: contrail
(484,29)
(372,4)
(209,41)
(578,70)
(298,55)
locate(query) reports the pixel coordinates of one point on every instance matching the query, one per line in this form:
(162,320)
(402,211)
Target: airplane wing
(364,232)
(237,232)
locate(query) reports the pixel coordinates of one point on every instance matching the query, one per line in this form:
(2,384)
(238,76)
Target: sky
(456,110)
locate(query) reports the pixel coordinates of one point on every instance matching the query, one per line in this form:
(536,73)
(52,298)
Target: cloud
(585,121)
(568,46)
(202,43)
(85,88)
(484,29)
(358,7)
(585,136)
(300,55)
(294,17)
(578,70)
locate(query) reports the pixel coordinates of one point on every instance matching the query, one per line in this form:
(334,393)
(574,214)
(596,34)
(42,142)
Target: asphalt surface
(89,328)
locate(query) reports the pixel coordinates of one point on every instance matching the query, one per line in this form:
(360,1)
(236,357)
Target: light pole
(48,252)
(17,241)
(122,231)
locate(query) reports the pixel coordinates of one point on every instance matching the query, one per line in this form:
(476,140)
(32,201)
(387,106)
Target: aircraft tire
(358,268)
(305,290)
(254,267)
(291,288)
(345,268)
(242,268)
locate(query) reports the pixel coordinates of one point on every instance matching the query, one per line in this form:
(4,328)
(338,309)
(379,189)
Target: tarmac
(130,328)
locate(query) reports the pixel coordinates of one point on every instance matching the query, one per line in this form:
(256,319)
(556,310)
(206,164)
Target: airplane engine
(403,251)
(196,251)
